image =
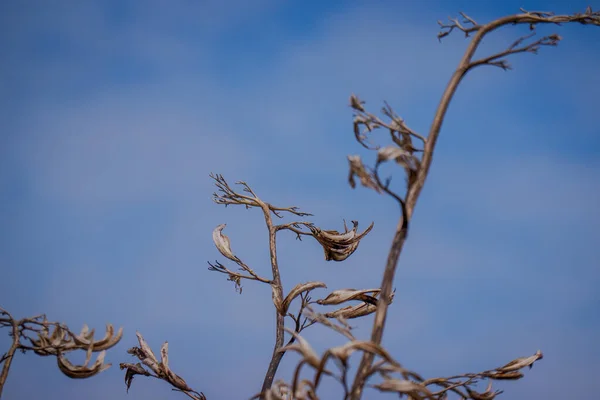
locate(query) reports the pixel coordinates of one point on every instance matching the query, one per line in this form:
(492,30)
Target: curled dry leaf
(508,376)
(356,311)
(342,295)
(487,395)
(358,169)
(223,243)
(145,354)
(82,371)
(521,362)
(172,377)
(339,246)
(413,389)
(296,291)
(62,340)
(86,338)
(109,339)
(356,103)
(132,371)
(161,369)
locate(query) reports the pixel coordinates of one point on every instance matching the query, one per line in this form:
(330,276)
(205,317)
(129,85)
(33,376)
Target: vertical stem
(277,355)
(10,354)
(411,200)
(277,294)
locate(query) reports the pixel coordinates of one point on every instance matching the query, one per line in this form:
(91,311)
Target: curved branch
(466,64)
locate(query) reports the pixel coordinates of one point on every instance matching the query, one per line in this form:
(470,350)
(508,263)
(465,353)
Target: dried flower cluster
(47,338)
(157,369)
(337,246)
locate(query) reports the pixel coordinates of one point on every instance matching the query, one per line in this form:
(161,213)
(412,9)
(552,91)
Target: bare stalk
(277,294)
(415,187)
(8,357)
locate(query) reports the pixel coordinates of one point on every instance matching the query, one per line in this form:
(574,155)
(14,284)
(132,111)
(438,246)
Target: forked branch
(416,182)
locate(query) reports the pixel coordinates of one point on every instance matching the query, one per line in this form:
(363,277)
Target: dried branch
(301,321)
(497,60)
(337,247)
(227,196)
(155,369)
(34,334)
(296,227)
(396,378)
(416,182)
(236,277)
(399,131)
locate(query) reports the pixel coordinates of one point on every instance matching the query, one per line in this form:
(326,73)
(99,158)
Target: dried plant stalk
(47,338)
(418,170)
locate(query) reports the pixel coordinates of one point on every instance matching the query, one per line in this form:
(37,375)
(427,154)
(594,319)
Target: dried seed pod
(145,355)
(82,371)
(359,310)
(342,295)
(173,378)
(413,389)
(339,246)
(487,395)
(109,339)
(222,242)
(521,362)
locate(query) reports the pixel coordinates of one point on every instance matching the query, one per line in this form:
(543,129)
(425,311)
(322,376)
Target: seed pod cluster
(62,341)
(339,246)
(158,369)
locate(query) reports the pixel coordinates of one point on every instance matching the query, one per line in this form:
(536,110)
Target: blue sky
(115,112)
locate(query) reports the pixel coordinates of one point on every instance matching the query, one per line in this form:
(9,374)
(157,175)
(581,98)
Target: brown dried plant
(46,338)
(157,369)
(414,153)
(337,246)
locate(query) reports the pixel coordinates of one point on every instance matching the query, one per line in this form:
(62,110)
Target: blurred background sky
(113,114)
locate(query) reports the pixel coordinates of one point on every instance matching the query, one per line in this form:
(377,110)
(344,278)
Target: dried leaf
(358,169)
(356,103)
(342,295)
(522,362)
(350,312)
(173,378)
(296,291)
(145,355)
(81,371)
(404,387)
(509,376)
(132,371)
(487,395)
(223,243)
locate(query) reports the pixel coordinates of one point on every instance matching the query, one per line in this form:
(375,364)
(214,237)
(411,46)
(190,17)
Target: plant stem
(10,354)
